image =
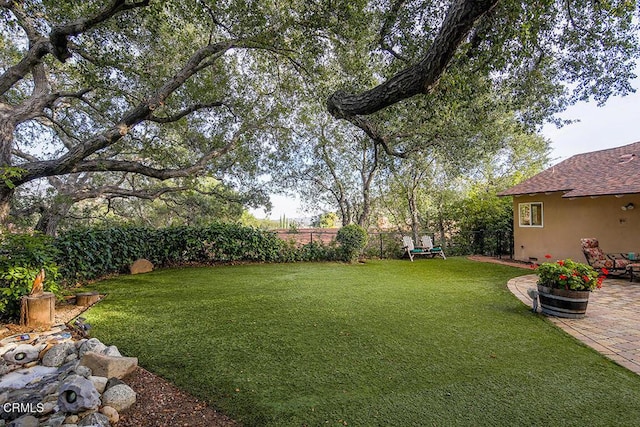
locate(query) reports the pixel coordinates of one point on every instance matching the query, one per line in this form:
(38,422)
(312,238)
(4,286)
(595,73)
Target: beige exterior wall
(566,221)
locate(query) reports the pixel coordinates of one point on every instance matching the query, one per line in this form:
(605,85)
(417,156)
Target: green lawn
(386,343)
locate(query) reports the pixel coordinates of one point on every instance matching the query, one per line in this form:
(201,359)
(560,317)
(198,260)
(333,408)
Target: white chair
(427,247)
(427,244)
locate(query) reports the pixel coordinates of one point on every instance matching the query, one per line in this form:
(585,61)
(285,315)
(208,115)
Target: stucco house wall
(567,220)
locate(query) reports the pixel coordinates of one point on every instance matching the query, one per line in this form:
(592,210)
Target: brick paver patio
(612,322)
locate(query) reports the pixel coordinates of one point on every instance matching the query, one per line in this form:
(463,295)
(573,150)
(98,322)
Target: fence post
(311,236)
(381,252)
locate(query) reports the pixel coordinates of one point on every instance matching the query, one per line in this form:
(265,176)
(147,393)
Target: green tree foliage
(540,56)
(326,220)
(133,93)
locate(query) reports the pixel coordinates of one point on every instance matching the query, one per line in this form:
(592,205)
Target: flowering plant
(570,275)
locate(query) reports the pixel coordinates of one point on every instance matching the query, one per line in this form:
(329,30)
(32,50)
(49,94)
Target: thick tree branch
(418,78)
(67,163)
(111,191)
(57,43)
(59,34)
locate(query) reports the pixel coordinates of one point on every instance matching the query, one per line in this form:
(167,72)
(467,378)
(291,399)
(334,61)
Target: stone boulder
(57,354)
(93,345)
(141,266)
(78,394)
(102,365)
(120,397)
(95,419)
(23,354)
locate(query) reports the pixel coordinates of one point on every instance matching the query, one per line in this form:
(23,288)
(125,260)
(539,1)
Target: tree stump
(38,311)
(86,299)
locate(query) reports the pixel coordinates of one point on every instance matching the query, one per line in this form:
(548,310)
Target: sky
(615,124)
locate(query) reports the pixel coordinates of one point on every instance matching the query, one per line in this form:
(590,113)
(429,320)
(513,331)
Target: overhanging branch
(418,78)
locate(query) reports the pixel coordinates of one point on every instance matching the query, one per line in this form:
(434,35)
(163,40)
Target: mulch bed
(160,403)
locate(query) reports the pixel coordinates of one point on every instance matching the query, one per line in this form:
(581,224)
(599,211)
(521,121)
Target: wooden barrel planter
(563,303)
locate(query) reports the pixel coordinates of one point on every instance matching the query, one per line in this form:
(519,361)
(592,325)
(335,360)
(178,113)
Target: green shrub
(317,251)
(352,239)
(92,253)
(22,256)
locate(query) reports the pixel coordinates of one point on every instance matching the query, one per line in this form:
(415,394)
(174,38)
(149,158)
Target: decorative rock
(47,408)
(83,371)
(55,420)
(50,388)
(120,397)
(57,354)
(24,421)
(109,366)
(7,347)
(78,394)
(72,419)
(93,344)
(112,350)
(20,378)
(111,414)
(4,368)
(113,381)
(22,354)
(71,358)
(65,393)
(96,419)
(99,383)
(141,266)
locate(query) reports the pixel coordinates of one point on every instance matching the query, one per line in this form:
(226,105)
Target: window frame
(540,205)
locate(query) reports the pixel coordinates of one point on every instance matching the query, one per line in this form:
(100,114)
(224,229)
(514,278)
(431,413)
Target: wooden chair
(427,243)
(427,248)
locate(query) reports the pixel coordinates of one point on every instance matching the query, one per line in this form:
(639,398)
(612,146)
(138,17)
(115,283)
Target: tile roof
(599,173)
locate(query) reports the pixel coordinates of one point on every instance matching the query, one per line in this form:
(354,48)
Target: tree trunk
(413,211)
(50,218)
(6,195)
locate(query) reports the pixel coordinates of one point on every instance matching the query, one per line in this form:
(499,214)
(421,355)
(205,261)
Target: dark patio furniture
(615,263)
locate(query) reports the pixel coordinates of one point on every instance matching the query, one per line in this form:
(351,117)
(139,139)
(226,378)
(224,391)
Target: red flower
(547,256)
(561,262)
(600,279)
(533,266)
(604,271)
(563,277)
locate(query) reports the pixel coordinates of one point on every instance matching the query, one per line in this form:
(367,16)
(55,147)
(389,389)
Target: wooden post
(86,299)
(38,311)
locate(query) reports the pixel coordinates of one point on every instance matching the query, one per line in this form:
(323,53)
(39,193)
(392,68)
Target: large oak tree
(160,89)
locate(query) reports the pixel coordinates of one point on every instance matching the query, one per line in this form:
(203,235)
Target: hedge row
(92,253)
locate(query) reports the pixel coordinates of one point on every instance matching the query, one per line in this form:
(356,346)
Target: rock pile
(52,380)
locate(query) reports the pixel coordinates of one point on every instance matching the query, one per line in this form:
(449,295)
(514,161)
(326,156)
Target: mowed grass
(386,343)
